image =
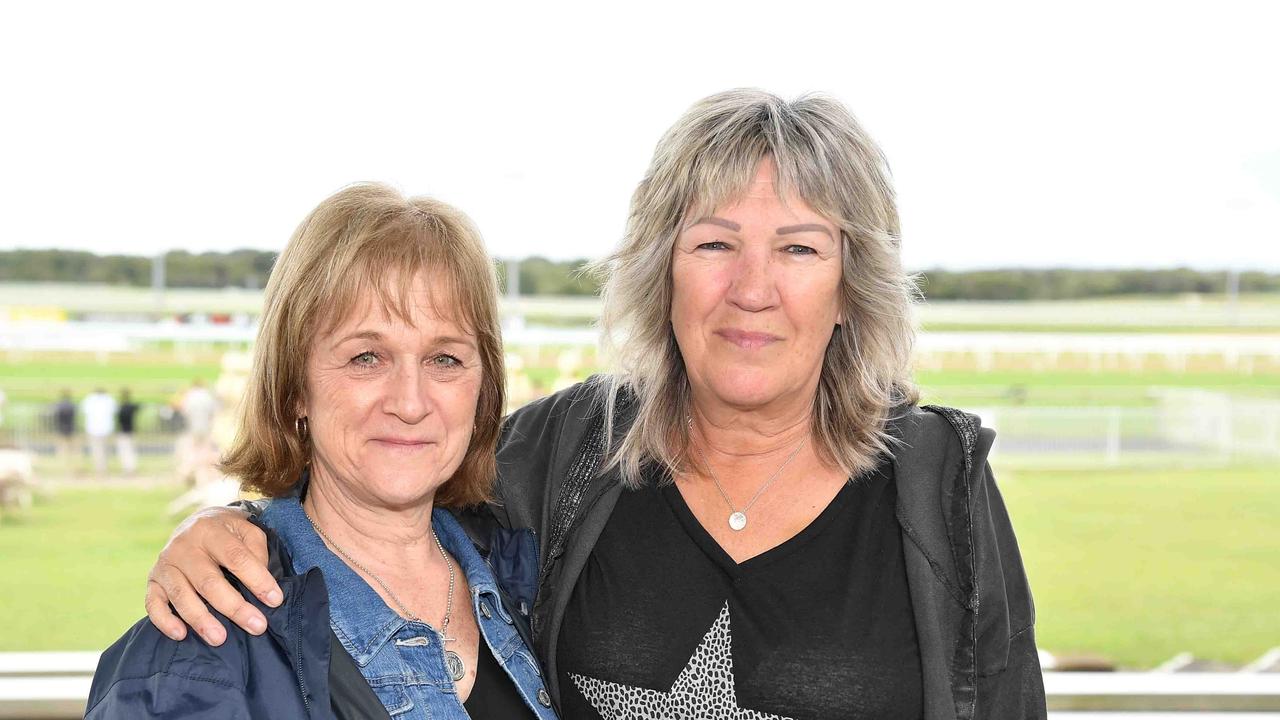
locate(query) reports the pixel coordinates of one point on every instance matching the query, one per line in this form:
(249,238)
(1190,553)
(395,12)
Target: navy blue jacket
(296,669)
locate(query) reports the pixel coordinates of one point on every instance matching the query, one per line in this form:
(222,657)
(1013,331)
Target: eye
(800,250)
(366,359)
(713,245)
(445,360)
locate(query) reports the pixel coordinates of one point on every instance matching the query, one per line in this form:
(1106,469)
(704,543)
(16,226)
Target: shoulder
(145,671)
(934,437)
(536,434)
(539,443)
(574,404)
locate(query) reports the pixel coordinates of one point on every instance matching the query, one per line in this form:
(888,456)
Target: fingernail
(257,625)
(214,635)
(273,597)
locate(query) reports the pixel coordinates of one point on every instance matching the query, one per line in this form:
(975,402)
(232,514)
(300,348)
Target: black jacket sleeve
(1009,682)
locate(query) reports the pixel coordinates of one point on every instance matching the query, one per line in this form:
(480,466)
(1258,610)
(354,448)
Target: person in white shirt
(99,410)
(196,449)
(198,408)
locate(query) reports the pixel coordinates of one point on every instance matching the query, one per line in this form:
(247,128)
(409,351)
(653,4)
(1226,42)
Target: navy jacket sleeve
(147,675)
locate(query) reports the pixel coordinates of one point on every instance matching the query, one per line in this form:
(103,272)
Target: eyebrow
(713,220)
(438,340)
(806,227)
(785,230)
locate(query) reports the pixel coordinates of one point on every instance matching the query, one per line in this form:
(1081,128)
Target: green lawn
(1076,388)
(1141,565)
(1136,566)
(153,379)
(73,568)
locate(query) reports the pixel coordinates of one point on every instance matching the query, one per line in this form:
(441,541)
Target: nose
(753,287)
(406,394)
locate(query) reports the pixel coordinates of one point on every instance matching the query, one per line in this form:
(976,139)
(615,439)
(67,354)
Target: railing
(45,685)
(55,685)
(1186,428)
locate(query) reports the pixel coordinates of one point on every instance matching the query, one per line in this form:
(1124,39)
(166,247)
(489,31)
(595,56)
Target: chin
(398,487)
(746,388)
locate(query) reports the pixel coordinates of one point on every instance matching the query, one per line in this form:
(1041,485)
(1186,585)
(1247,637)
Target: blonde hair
(366,237)
(705,160)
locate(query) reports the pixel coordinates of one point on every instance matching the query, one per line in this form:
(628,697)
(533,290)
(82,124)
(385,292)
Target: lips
(747,339)
(403,443)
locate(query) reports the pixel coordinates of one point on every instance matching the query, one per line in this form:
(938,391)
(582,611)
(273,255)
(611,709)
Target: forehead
(763,193)
(425,303)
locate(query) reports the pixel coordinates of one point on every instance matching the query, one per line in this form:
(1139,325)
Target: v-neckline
(712,548)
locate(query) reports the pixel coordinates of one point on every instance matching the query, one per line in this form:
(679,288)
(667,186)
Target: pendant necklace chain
(456,667)
(738,518)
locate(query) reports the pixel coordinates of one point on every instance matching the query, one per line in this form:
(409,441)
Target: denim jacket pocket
(393,697)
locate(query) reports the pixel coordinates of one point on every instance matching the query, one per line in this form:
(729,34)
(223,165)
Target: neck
(731,436)
(397,541)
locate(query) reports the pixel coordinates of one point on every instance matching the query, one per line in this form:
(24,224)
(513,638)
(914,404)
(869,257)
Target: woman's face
(391,404)
(755,298)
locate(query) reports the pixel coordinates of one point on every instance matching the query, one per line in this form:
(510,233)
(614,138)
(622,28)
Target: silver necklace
(738,518)
(456,667)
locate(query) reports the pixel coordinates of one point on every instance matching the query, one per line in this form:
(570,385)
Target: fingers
(243,552)
(187,575)
(182,595)
(157,605)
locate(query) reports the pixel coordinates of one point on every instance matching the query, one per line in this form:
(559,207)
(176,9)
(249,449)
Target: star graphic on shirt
(703,691)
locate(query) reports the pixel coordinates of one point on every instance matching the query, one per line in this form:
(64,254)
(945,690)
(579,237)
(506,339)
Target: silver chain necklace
(456,667)
(738,518)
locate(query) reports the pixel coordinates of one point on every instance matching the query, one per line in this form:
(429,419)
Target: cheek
(457,401)
(815,308)
(338,400)
(696,290)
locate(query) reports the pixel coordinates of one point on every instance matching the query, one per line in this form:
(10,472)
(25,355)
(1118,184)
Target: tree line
(540,276)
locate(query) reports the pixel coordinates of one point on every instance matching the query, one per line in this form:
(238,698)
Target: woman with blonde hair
(751,518)
(372,409)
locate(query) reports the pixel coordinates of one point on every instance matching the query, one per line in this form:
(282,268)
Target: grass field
(151,378)
(1139,565)
(73,568)
(1135,566)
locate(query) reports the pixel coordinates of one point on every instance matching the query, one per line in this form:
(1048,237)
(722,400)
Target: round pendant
(456,668)
(738,520)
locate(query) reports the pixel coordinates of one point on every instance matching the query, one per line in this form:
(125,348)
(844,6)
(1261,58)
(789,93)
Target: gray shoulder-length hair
(706,159)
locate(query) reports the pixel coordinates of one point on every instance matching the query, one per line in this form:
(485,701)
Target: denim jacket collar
(358,615)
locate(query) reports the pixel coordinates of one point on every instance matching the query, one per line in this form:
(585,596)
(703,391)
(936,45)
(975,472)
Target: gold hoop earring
(300,426)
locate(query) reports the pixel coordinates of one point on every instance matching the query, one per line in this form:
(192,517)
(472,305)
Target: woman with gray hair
(751,518)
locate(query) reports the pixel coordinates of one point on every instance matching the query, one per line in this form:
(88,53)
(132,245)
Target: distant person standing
(126,414)
(196,450)
(64,421)
(198,408)
(99,410)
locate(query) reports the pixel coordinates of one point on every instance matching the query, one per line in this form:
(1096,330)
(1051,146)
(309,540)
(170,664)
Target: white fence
(1185,428)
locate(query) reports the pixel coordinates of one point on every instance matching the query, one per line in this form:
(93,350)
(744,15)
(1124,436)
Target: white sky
(1080,134)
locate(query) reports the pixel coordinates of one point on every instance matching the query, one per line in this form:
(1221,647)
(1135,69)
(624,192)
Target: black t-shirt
(494,695)
(663,624)
(125,415)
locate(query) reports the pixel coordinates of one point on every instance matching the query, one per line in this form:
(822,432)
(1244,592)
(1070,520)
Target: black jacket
(969,593)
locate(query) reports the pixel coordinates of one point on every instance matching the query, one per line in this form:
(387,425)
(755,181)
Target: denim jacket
(403,661)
